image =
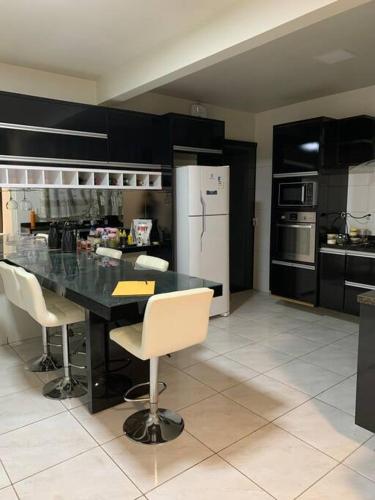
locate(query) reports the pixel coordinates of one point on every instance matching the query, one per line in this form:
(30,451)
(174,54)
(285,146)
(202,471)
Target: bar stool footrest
(138,386)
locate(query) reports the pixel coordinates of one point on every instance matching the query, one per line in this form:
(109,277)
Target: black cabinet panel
(360,270)
(241,157)
(39,144)
(304,146)
(356,140)
(130,136)
(293,283)
(332,277)
(196,132)
(27,110)
(351,305)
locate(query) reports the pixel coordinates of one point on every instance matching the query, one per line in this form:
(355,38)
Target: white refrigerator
(202,226)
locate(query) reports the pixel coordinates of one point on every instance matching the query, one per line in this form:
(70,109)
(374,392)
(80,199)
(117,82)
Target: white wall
(355,102)
(44,84)
(238,124)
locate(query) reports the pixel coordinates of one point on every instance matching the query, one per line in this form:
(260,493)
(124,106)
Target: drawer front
(293,283)
(360,269)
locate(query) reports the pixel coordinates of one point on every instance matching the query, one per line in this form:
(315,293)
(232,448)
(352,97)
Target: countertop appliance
(295,236)
(202,226)
(297,194)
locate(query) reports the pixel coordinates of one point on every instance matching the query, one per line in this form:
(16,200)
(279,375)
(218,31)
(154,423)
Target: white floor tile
(212,479)
(334,358)
(349,326)
(190,356)
(228,322)
(305,377)
(278,462)
(17,379)
(42,444)
(8,357)
(218,422)
(319,333)
(256,331)
(150,466)
(259,358)
(8,494)
(182,390)
(23,408)
(342,395)
(222,341)
(325,427)
(291,344)
(266,396)
(349,342)
(28,349)
(105,425)
(220,373)
(341,483)
(363,459)
(91,475)
(4,479)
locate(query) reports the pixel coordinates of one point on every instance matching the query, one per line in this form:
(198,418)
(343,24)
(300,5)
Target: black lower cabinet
(293,283)
(351,305)
(332,278)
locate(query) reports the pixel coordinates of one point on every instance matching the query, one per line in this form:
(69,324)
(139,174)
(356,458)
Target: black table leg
(111,370)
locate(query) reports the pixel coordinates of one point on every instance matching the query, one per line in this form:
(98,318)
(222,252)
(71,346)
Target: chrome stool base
(43,363)
(64,388)
(147,428)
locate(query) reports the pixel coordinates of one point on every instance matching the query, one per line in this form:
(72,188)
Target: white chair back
(109,252)
(32,295)
(174,321)
(149,262)
(11,286)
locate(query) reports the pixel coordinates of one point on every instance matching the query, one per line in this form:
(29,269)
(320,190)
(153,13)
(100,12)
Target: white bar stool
(46,362)
(53,310)
(149,262)
(109,252)
(172,322)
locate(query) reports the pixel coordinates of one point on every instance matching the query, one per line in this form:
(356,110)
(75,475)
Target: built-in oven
(297,193)
(295,237)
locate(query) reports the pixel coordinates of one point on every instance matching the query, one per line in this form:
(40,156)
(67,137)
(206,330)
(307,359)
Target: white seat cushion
(129,338)
(61,311)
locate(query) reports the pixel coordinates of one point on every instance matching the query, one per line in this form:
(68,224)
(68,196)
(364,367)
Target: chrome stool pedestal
(67,386)
(155,425)
(46,362)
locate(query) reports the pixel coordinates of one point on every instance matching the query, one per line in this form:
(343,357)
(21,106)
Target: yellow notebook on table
(124,288)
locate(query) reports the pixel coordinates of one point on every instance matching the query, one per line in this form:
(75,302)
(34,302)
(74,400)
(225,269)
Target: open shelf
(85,178)
(16,176)
(35,177)
(28,176)
(52,177)
(69,177)
(101,179)
(142,180)
(129,180)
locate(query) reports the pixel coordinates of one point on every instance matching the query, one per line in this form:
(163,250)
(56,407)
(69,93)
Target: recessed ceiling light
(335,56)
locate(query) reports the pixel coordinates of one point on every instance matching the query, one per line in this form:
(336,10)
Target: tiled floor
(268,403)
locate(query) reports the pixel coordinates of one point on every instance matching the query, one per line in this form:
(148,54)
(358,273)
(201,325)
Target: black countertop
(89,279)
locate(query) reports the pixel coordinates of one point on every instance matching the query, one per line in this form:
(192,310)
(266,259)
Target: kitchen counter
(367,298)
(348,249)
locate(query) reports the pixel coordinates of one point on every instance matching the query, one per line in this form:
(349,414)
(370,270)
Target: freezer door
(215,190)
(209,254)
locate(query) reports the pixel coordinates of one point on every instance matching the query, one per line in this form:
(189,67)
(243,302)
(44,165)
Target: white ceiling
(89,38)
(285,71)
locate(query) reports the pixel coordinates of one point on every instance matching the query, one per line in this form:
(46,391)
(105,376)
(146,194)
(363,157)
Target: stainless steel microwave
(297,194)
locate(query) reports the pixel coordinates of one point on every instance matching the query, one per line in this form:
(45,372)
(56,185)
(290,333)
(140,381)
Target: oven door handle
(296,226)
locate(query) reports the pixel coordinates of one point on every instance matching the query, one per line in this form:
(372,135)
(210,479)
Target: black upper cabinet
(131,136)
(195,132)
(305,146)
(41,112)
(356,140)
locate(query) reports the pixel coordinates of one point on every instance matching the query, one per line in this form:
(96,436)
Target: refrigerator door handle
(203,219)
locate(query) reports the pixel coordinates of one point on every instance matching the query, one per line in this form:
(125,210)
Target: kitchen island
(365,400)
(89,280)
